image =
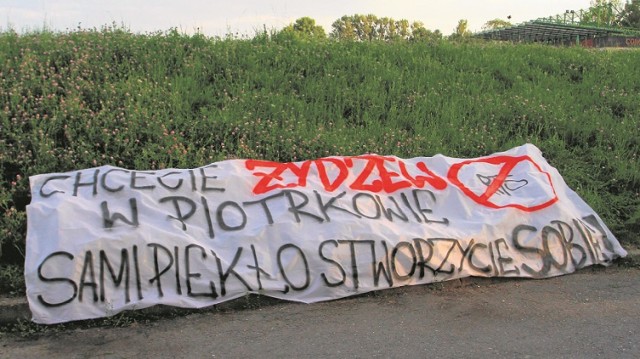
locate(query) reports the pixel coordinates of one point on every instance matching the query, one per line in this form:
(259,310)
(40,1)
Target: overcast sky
(217,18)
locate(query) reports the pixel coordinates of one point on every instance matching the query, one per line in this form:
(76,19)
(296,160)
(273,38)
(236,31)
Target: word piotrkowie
(107,239)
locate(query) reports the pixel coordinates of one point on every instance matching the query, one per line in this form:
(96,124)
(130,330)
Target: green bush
(94,97)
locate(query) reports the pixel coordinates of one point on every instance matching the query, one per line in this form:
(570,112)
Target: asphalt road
(594,313)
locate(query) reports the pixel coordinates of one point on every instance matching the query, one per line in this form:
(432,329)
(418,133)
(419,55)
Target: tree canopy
(496,24)
(305,27)
(602,13)
(370,28)
(461,31)
(630,14)
(612,13)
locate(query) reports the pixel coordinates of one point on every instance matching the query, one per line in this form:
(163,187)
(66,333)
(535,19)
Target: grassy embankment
(90,98)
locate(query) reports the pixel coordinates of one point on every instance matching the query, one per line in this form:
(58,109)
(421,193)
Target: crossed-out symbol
(497,184)
(509,186)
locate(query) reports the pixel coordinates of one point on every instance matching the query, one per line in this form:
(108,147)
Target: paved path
(590,314)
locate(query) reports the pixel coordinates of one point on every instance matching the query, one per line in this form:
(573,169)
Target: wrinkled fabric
(106,239)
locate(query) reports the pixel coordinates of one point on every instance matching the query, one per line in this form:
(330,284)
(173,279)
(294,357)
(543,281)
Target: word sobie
(107,239)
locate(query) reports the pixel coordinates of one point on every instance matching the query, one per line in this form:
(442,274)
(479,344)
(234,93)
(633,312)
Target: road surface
(594,313)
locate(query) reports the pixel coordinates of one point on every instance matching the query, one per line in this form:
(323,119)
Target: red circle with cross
(507,163)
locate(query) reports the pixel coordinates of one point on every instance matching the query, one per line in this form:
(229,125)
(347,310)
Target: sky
(246,17)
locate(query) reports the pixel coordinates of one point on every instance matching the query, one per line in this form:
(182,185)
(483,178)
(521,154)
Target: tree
(630,15)
(420,33)
(305,27)
(343,29)
(461,31)
(495,24)
(371,28)
(602,13)
(403,29)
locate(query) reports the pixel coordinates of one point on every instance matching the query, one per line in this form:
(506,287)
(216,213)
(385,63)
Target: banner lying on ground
(106,239)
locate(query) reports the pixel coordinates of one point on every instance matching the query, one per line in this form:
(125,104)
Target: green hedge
(88,98)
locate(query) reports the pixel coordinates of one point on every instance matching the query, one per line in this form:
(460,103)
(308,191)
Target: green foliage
(371,28)
(420,33)
(495,24)
(304,28)
(630,15)
(12,280)
(461,31)
(602,13)
(89,98)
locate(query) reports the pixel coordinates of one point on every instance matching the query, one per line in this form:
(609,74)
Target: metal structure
(560,29)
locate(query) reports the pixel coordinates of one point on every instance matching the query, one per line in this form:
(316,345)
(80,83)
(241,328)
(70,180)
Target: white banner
(107,239)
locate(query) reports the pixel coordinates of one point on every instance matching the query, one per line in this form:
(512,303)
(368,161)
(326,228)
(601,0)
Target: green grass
(88,98)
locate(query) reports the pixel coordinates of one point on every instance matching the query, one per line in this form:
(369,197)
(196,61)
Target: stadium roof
(545,31)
